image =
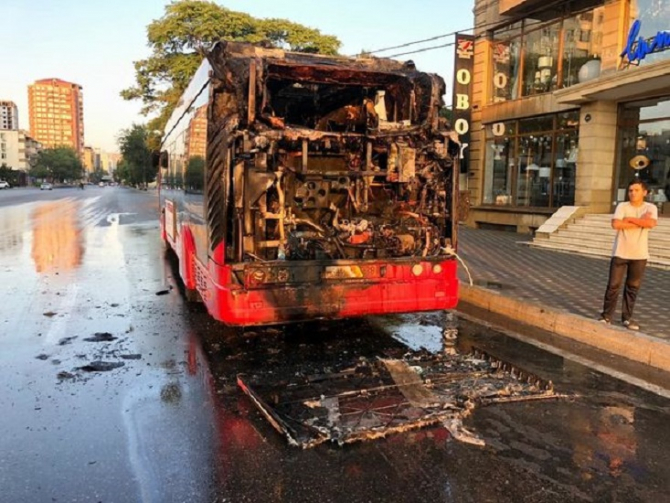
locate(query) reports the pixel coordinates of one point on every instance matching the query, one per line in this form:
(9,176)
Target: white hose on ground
(450,251)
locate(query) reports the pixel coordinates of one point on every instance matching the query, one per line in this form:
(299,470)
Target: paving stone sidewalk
(503,261)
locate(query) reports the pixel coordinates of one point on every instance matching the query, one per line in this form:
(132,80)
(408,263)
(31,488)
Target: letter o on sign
(463,77)
(498,129)
(462,126)
(500,80)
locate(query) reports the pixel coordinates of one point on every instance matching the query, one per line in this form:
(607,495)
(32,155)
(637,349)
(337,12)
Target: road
(117,390)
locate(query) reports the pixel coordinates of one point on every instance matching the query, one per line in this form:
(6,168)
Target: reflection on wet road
(114,393)
(57,241)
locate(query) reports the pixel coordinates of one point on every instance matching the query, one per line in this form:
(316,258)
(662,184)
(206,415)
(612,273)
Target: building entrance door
(644,150)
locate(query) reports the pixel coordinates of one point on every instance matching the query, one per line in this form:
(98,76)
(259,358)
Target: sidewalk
(563,294)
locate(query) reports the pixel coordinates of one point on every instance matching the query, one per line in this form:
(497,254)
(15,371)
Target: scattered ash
(171,393)
(101,366)
(66,376)
(101,337)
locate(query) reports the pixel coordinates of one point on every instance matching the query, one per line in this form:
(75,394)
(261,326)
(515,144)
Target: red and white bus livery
(297,186)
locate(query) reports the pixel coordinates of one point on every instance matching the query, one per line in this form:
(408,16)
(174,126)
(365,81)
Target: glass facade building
(570,103)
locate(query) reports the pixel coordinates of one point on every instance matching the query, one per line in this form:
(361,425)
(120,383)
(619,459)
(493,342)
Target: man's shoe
(604,319)
(631,325)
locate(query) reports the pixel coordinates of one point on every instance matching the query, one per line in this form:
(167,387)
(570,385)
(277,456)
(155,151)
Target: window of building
(532,162)
(654,16)
(644,148)
(540,59)
(532,57)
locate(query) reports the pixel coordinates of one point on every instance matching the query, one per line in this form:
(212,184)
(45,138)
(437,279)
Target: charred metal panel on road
(327,158)
(375,398)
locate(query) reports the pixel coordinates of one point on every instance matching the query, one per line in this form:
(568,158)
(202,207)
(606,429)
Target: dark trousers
(633,270)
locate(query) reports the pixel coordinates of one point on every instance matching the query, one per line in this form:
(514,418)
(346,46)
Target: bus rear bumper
(334,300)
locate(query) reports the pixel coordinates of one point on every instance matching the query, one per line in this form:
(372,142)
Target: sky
(95,42)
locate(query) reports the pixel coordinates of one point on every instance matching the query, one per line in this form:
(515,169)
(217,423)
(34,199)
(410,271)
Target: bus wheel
(192,295)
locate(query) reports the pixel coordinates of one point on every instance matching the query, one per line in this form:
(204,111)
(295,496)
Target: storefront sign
(462,99)
(638,48)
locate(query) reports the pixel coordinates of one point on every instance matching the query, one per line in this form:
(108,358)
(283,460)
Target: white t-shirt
(633,244)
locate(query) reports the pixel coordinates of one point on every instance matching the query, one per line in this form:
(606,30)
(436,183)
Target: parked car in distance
(4,185)
(46,186)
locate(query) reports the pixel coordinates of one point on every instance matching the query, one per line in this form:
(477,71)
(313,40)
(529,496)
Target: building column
(597,155)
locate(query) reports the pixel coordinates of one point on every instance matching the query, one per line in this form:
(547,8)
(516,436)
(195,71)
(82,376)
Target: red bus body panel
(399,292)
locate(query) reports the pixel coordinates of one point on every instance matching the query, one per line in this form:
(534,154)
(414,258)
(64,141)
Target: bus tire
(192,295)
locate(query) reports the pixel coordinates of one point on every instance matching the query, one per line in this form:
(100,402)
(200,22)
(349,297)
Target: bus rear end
(329,190)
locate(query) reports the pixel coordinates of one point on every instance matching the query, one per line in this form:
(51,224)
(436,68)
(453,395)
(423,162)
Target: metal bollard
(449,332)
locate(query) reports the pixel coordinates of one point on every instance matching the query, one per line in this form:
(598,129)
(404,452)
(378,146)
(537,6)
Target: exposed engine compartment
(332,158)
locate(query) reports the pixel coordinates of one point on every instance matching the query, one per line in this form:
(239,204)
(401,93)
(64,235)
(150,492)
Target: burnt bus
(296,187)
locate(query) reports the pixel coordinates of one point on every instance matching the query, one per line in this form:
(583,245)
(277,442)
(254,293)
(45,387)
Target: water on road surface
(116,390)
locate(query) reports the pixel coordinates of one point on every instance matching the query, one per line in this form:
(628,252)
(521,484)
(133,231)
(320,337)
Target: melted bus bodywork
(298,186)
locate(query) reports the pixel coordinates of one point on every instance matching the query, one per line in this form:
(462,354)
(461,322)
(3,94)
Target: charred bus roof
(281,89)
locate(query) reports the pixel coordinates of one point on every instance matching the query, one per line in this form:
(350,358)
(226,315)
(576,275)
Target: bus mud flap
(376,398)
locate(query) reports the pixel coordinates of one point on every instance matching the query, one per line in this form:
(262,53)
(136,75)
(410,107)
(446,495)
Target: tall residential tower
(56,112)
(9,115)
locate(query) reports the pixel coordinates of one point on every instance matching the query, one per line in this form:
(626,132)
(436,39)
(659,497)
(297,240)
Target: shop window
(533,57)
(540,60)
(536,124)
(582,44)
(532,162)
(534,171)
(506,63)
(644,149)
(500,163)
(565,168)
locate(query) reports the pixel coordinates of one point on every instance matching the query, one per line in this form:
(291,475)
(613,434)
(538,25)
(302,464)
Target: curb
(634,346)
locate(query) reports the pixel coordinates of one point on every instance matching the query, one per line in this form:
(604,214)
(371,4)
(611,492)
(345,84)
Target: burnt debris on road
(377,397)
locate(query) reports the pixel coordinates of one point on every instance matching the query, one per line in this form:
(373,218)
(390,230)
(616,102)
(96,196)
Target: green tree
(9,175)
(59,164)
(188,29)
(134,147)
(122,172)
(447,113)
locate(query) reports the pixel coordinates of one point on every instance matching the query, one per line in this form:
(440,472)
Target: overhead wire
(424,49)
(453,33)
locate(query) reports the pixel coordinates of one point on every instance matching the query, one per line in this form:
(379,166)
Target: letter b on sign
(462,102)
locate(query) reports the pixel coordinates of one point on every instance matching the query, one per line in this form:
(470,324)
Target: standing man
(632,221)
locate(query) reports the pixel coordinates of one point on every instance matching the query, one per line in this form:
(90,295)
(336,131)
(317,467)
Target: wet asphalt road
(116,390)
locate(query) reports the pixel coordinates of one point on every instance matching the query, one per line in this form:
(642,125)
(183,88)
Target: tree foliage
(59,164)
(9,175)
(447,113)
(188,29)
(135,167)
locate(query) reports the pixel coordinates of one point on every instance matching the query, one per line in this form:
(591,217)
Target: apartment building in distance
(9,115)
(56,112)
(18,150)
(569,102)
(88,160)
